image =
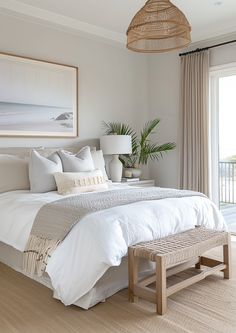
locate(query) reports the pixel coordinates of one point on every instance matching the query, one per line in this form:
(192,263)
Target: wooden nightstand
(139,183)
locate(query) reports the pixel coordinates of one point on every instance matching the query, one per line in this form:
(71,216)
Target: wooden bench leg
(161,298)
(227,259)
(198,264)
(133,274)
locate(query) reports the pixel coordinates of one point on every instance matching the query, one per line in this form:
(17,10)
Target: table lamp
(116,145)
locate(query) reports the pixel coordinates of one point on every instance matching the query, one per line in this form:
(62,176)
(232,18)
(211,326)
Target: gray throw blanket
(55,220)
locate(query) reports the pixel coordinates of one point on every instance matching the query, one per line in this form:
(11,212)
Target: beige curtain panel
(195,114)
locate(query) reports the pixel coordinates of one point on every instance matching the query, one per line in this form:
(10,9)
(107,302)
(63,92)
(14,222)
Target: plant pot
(132,172)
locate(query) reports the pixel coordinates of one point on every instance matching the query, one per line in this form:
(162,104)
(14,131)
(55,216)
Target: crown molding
(210,41)
(25,11)
(214,35)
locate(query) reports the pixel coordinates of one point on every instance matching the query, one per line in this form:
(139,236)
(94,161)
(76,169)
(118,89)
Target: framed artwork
(37,98)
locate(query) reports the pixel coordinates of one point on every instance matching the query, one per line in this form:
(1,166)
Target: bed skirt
(114,280)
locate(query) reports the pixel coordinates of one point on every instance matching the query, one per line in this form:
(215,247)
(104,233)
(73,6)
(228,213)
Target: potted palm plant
(143,149)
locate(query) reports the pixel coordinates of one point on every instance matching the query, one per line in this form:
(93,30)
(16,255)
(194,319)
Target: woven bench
(172,255)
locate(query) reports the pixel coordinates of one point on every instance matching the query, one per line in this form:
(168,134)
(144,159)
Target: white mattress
(100,240)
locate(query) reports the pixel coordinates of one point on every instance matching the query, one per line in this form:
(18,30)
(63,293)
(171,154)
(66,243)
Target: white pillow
(80,162)
(78,182)
(99,162)
(14,173)
(41,172)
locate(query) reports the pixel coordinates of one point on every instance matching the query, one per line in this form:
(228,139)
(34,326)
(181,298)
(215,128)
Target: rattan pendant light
(158,27)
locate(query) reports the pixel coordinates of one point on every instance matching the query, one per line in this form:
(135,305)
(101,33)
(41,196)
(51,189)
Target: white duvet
(100,240)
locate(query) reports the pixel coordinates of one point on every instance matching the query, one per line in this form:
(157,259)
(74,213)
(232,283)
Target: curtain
(195,114)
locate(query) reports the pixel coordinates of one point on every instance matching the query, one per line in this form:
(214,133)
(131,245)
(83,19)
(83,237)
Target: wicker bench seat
(172,255)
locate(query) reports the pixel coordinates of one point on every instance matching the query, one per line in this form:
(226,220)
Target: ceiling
(110,18)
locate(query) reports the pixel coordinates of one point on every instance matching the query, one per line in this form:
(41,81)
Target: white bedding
(101,239)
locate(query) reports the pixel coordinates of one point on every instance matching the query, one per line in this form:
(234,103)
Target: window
(223,140)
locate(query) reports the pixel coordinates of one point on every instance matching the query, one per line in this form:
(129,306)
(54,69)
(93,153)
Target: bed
(90,264)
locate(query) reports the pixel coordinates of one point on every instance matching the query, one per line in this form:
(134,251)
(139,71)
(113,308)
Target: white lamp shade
(116,144)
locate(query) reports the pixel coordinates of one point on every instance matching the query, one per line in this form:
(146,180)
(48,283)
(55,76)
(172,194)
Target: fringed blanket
(55,220)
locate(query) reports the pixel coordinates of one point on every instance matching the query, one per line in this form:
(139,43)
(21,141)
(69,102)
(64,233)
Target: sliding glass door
(223,141)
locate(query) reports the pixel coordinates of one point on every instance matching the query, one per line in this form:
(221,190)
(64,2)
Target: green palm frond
(154,152)
(121,129)
(129,161)
(148,129)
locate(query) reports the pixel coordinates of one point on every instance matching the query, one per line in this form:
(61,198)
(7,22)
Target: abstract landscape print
(37,98)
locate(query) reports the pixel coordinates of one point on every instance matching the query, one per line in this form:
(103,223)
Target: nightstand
(138,183)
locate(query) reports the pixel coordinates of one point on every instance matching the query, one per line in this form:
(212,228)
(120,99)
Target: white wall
(223,55)
(164,95)
(164,101)
(114,85)
(112,81)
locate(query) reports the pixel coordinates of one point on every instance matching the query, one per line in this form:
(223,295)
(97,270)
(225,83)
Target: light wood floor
(28,307)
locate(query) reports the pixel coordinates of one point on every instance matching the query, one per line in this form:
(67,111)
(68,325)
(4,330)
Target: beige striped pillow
(78,182)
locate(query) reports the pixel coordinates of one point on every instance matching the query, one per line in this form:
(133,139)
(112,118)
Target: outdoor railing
(227,173)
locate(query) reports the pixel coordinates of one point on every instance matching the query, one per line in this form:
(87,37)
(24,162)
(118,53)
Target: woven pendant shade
(158,27)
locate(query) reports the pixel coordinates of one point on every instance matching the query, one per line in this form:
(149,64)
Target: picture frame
(38,98)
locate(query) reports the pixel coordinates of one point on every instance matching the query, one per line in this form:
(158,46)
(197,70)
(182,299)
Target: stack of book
(126,180)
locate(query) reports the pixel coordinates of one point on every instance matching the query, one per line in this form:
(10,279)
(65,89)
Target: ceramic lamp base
(115,167)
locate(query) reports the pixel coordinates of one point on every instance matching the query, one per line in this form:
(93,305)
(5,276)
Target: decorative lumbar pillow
(99,162)
(14,173)
(41,172)
(78,182)
(80,162)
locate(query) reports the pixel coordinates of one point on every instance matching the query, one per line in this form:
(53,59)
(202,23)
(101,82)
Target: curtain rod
(207,48)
